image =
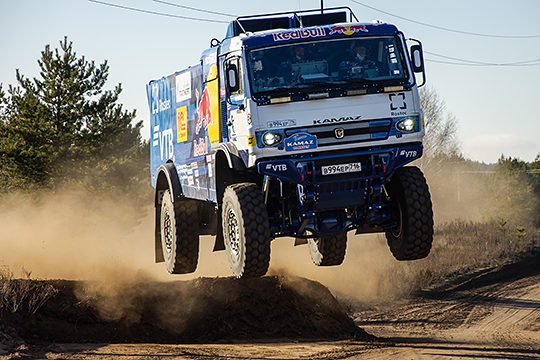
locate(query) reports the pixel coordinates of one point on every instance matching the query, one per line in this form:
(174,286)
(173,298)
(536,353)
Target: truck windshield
(344,62)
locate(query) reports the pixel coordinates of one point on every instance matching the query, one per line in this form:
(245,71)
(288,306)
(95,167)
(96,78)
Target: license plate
(280,123)
(341,168)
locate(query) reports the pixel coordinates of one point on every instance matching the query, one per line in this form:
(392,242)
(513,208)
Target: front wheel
(246,230)
(328,250)
(412,237)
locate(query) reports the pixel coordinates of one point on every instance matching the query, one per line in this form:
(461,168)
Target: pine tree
(64,127)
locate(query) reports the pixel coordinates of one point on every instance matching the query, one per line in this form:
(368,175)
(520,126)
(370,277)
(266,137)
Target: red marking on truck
(299,34)
(200,148)
(203,110)
(347,29)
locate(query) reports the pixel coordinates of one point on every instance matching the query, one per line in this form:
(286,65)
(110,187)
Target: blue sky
(494,104)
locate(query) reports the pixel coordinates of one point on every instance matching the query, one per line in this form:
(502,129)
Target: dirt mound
(197,311)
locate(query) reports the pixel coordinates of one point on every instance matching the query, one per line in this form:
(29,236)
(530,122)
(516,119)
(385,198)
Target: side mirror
(417,57)
(232,78)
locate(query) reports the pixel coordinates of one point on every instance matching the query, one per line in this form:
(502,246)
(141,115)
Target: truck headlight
(271,138)
(406,125)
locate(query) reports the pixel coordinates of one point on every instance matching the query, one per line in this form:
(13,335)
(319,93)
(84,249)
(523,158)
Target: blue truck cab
(296,124)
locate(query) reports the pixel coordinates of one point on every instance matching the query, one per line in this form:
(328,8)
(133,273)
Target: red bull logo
(199,148)
(298,34)
(203,110)
(347,29)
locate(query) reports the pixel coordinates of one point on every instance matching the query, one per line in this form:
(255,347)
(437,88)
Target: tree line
(464,188)
(64,129)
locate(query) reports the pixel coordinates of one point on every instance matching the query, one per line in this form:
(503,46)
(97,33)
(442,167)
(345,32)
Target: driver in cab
(359,62)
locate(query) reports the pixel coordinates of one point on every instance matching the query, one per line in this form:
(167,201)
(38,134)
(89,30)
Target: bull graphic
(203,110)
(347,29)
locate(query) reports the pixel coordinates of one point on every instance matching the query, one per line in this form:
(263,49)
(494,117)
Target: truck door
(232,99)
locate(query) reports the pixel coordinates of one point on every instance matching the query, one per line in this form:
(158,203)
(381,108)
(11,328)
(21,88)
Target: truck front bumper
(337,191)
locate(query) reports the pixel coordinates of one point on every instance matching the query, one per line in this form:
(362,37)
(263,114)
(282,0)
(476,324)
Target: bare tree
(441,138)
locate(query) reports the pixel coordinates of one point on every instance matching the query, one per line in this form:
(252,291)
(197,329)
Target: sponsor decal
(299,34)
(181,124)
(300,141)
(155,141)
(251,140)
(347,29)
(200,148)
(183,86)
(209,60)
(398,106)
(159,105)
(276,167)
(204,110)
(337,120)
(165,141)
(210,165)
(408,154)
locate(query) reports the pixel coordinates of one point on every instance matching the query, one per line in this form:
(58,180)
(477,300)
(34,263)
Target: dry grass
(17,295)
(462,246)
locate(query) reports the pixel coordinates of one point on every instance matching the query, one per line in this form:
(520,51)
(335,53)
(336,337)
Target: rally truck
(296,124)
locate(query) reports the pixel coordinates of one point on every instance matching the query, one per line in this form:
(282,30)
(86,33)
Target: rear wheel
(328,250)
(411,239)
(246,230)
(179,234)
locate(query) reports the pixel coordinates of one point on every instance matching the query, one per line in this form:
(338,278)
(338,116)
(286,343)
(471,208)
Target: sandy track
(491,314)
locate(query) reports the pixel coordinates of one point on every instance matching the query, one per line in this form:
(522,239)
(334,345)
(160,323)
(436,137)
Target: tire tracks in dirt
(491,313)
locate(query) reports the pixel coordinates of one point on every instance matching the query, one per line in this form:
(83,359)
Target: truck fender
(232,154)
(167,178)
(228,161)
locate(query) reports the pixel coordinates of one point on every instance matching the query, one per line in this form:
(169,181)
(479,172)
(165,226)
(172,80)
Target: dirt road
(490,314)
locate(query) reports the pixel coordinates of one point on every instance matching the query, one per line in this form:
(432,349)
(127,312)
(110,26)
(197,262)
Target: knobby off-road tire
(411,239)
(328,250)
(179,234)
(246,230)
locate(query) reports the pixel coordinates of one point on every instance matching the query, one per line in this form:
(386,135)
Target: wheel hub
(233,232)
(167,231)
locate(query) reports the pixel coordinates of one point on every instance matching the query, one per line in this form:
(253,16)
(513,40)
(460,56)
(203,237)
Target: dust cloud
(369,273)
(76,236)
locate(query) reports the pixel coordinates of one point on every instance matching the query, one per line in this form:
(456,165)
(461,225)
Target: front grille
(353,132)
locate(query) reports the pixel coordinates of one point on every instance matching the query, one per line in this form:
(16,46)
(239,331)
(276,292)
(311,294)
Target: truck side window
(234,76)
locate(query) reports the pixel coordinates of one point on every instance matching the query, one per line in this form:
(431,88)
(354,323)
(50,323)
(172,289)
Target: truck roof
(339,30)
(289,20)
(265,29)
